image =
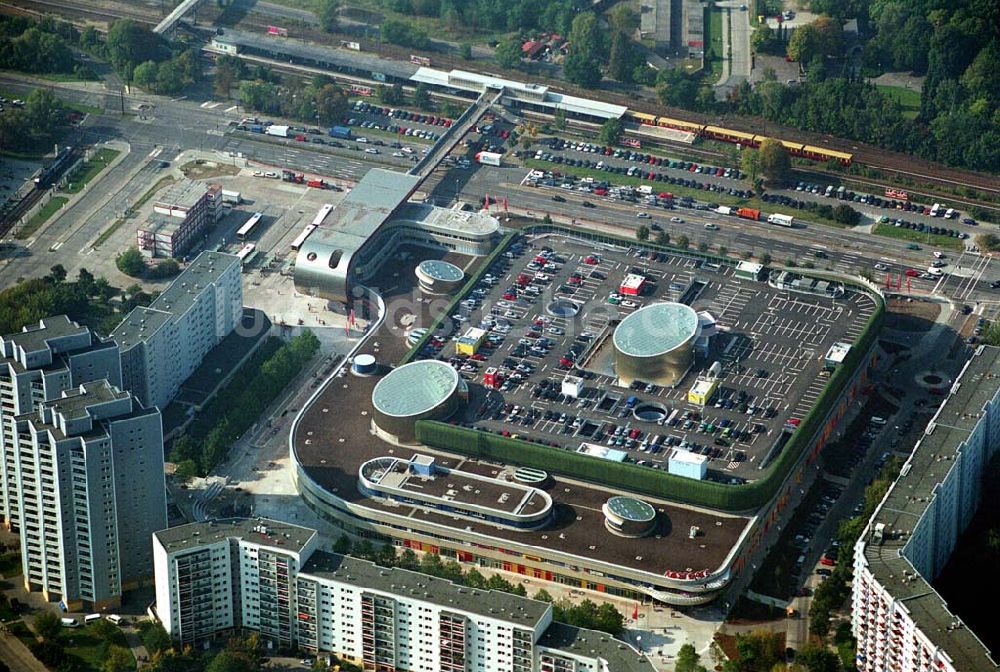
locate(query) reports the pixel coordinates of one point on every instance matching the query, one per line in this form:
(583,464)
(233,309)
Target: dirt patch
(917,316)
(201,169)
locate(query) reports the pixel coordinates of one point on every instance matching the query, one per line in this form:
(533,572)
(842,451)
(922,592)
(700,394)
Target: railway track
(24,205)
(888,161)
(82,10)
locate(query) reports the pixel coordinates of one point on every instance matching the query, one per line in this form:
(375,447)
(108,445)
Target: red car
(912,273)
(593,261)
(478,357)
(509,297)
(829,562)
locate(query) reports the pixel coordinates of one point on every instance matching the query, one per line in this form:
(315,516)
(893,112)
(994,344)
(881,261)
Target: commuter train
(746,139)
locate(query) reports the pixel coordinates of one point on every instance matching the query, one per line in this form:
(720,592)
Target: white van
(935,271)
(69,622)
(90,618)
(116,619)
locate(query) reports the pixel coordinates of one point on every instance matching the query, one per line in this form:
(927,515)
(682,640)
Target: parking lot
(770,345)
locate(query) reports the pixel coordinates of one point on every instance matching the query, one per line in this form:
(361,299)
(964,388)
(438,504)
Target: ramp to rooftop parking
(170,20)
(487,99)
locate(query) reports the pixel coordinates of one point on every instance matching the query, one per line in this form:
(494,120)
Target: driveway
(735,46)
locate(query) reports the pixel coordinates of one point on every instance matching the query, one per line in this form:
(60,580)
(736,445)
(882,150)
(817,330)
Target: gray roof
(139,325)
(277,534)
(175,300)
(521,611)
(76,402)
(369,204)
(338,58)
(183,194)
(206,268)
(908,500)
(620,657)
(34,337)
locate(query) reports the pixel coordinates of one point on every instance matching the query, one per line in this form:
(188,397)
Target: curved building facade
(655,344)
(421,390)
(348,249)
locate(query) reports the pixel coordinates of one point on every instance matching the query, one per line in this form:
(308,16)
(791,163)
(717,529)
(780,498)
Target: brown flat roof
(334,439)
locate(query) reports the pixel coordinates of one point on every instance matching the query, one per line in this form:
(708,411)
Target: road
(171,124)
(17,656)
(736,47)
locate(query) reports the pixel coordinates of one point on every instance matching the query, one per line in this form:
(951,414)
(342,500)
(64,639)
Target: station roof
(655,329)
(415,388)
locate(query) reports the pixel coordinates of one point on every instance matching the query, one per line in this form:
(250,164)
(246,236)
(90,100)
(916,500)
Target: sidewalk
(136,645)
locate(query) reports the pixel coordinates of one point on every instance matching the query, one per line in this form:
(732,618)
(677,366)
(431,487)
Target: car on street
(676,220)
(912,273)
(642,215)
(881,267)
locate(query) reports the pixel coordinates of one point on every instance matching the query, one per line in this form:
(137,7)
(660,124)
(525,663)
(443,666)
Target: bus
(249,225)
(246,253)
(297,243)
(321,215)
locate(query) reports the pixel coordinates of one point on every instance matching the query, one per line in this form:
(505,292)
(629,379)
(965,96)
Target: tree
(408,560)
(170,78)
(130,262)
(422,97)
(586,52)
(762,39)
(775,164)
(623,19)
(508,53)
(688,660)
(559,119)
(331,104)
(167,268)
(642,233)
(326,12)
(186,470)
(228,72)
(156,639)
(543,596)
(662,238)
(117,659)
(765,259)
(392,95)
(226,661)
(683,241)
(621,61)
(128,44)
(988,242)
(818,659)
(611,130)
(465,51)
(750,163)
(47,625)
(58,273)
(845,214)
(342,545)
(145,75)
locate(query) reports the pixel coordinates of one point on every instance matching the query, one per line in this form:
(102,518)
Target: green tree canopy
(586,53)
(508,53)
(47,625)
(131,262)
(611,131)
(775,163)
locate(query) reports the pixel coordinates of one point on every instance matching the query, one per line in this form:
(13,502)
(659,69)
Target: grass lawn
(88,170)
(908,98)
(49,209)
(65,104)
(713,42)
(890,231)
(85,644)
(21,630)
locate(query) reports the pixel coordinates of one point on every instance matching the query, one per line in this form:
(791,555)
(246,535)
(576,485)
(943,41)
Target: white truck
(724,210)
(489,158)
(645,190)
(781,220)
(279,131)
(229,196)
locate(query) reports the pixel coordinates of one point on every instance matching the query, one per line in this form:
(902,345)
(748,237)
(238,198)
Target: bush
(131,262)
(167,268)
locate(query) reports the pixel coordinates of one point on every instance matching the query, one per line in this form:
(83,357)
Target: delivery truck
(488,158)
(342,132)
(277,131)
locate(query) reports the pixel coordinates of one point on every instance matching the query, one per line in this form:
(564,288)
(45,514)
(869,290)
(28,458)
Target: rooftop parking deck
(334,438)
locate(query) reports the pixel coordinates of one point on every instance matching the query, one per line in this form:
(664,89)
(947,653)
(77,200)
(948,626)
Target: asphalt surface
(172,124)
(736,47)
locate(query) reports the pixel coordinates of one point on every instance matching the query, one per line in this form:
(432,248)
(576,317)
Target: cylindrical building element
(655,344)
(439,277)
(628,516)
(422,390)
(364,365)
